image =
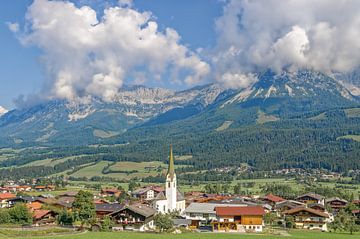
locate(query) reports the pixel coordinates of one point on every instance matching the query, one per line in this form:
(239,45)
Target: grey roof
(289,203)
(181,222)
(179,196)
(25,198)
(196,207)
(335,199)
(160,196)
(108,207)
(140,191)
(143,210)
(313,195)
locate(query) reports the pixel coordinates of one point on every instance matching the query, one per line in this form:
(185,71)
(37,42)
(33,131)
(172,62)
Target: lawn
(133,235)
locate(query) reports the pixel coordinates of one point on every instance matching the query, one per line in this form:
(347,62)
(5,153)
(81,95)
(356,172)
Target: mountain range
(291,118)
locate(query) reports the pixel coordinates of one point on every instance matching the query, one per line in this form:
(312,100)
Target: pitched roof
(34,205)
(38,214)
(314,205)
(108,207)
(4,196)
(209,208)
(335,199)
(241,211)
(312,195)
(310,210)
(179,196)
(160,196)
(143,210)
(274,198)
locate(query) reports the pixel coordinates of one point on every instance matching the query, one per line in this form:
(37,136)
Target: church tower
(171,191)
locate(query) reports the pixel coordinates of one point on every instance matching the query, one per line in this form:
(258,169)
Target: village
(154,208)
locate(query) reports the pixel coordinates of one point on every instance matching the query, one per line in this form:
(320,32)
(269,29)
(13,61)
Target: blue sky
(22,73)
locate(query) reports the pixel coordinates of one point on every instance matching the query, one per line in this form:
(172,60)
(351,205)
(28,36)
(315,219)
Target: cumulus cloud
(14,27)
(322,35)
(89,55)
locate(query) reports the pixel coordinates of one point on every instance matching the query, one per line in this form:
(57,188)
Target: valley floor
(295,234)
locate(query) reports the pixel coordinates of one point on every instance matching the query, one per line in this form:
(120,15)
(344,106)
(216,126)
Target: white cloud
(287,35)
(85,55)
(14,27)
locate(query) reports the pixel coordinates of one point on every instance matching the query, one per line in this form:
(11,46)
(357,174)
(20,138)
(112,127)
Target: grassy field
(130,235)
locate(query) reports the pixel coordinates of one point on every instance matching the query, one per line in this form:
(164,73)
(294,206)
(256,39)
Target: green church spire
(171,169)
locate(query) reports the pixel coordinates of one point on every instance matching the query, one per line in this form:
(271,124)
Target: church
(172,200)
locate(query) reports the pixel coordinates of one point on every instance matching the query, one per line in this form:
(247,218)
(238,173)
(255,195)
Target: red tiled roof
(38,214)
(355,211)
(4,196)
(34,205)
(274,198)
(240,211)
(310,210)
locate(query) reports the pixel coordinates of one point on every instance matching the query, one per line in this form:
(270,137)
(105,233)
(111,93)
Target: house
(23,188)
(33,206)
(5,199)
(64,202)
(41,217)
(272,199)
(287,205)
(336,203)
(134,217)
(104,209)
(202,214)
(24,199)
(317,206)
(239,219)
(172,200)
(147,193)
(40,188)
(308,218)
(110,192)
(310,198)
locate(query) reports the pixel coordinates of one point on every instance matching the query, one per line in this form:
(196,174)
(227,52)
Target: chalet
(64,202)
(110,192)
(287,205)
(272,199)
(23,188)
(42,217)
(134,217)
(202,214)
(5,199)
(336,203)
(310,198)
(308,218)
(147,193)
(144,193)
(103,209)
(317,206)
(239,219)
(40,188)
(33,206)
(23,199)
